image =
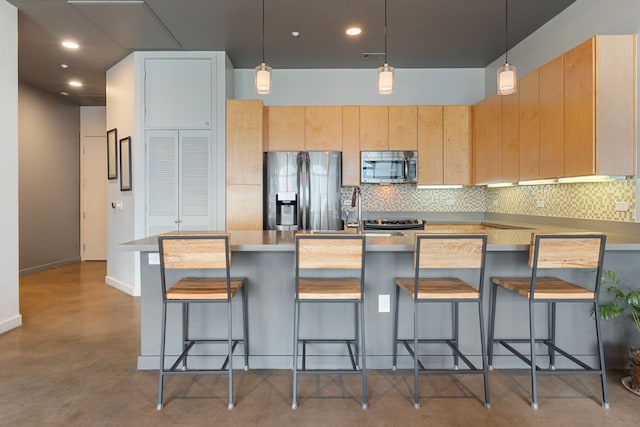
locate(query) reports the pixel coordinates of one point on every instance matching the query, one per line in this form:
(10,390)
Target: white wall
(359,87)
(9,300)
(121,266)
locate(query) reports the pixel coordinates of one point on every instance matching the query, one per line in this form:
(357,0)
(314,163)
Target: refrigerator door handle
(303,190)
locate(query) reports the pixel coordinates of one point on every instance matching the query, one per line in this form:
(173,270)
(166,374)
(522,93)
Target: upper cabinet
(403,128)
(599,107)
(487,140)
(350,145)
(285,128)
(529,94)
(444,144)
(511,137)
(374,128)
(323,128)
(178,93)
(551,79)
(245,128)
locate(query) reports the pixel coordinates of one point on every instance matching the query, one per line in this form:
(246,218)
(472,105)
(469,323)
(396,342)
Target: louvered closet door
(195,180)
(162,181)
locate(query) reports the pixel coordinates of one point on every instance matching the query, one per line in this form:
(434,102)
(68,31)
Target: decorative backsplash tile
(585,200)
(594,200)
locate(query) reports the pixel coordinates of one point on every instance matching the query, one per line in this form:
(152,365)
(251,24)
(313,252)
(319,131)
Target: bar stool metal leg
(492,324)
(394,362)
(162,346)
(245,327)
(365,403)
(532,340)
(552,335)
(356,330)
(456,333)
(483,351)
(603,375)
(416,401)
(296,331)
(230,343)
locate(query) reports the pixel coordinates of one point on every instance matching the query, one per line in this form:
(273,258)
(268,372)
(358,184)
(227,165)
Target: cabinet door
(374,128)
(323,128)
(457,144)
(162,181)
(244,207)
(579,99)
(552,119)
(178,93)
(350,146)
(511,137)
(178,180)
(403,128)
(487,140)
(430,145)
(529,126)
(194,203)
(285,128)
(244,141)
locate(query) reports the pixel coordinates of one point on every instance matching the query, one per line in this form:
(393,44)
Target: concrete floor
(73,363)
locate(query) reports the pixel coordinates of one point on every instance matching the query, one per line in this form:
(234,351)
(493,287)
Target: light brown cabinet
(374,128)
(323,128)
(487,140)
(511,137)
(529,126)
(599,107)
(403,128)
(245,134)
(350,146)
(285,128)
(444,144)
(551,78)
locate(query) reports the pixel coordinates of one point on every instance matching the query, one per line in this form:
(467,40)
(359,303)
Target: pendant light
(263,71)
(385,73)
(507,77)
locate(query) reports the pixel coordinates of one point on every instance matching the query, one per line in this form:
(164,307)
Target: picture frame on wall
(125,164)
(112,154)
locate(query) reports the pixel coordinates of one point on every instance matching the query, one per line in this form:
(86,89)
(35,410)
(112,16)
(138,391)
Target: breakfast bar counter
(266,259)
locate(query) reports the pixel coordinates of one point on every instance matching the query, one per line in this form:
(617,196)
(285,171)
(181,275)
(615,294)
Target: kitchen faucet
(356,198)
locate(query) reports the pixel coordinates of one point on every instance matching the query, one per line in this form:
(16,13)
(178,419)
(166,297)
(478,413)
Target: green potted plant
(624,299)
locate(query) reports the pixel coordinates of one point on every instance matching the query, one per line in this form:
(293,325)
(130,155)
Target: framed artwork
(112,156)
(125,164)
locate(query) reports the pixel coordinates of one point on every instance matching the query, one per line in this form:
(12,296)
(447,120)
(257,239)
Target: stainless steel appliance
(393,224)
(389,167)
(302,190)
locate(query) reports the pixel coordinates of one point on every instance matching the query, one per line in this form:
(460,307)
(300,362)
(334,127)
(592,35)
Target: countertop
(503,239)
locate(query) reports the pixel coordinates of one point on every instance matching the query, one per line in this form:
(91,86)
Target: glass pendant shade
(263,79)
(385,79)
(507,79)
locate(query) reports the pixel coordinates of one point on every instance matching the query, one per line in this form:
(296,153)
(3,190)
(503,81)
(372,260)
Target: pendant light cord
(263,31)
(385,32)
(506,31)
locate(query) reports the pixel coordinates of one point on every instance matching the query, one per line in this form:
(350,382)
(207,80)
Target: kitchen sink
(477,226)
(369,233)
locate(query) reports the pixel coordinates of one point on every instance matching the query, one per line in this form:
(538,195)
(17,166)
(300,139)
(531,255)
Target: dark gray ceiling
(420,34)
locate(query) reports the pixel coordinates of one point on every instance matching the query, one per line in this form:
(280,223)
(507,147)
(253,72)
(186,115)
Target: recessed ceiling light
(75,83)
(64,93)
(65,66)
(295,33)
(353,31)
(70,44)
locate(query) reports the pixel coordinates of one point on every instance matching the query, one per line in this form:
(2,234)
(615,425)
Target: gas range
(393,224)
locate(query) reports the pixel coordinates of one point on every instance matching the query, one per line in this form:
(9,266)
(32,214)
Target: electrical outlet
(495,202)
(154,258)
(384,303)
(540,204)
(622,207)
(451,202)
(346,202)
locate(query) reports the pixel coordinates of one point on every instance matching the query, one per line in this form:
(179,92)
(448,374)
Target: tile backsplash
(585,200)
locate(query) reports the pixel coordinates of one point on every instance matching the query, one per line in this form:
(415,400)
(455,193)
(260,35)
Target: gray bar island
(266,259)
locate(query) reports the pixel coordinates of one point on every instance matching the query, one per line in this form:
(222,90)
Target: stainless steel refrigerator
(302,190)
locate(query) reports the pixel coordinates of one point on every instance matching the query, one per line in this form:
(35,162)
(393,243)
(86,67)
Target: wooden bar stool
(555,252)
(443,251)
(210,254)
(343,253)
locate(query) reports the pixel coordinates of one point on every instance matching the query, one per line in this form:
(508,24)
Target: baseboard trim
(11,323)
(121,286)
(49,266)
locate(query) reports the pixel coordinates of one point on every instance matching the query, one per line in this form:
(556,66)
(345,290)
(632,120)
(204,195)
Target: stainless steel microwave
(389,167)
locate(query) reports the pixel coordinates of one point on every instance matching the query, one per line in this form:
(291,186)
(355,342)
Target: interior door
(94,198)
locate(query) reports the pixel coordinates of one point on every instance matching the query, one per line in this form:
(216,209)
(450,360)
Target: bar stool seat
(330,254)
(562,254)
(435,252)
(202,255)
